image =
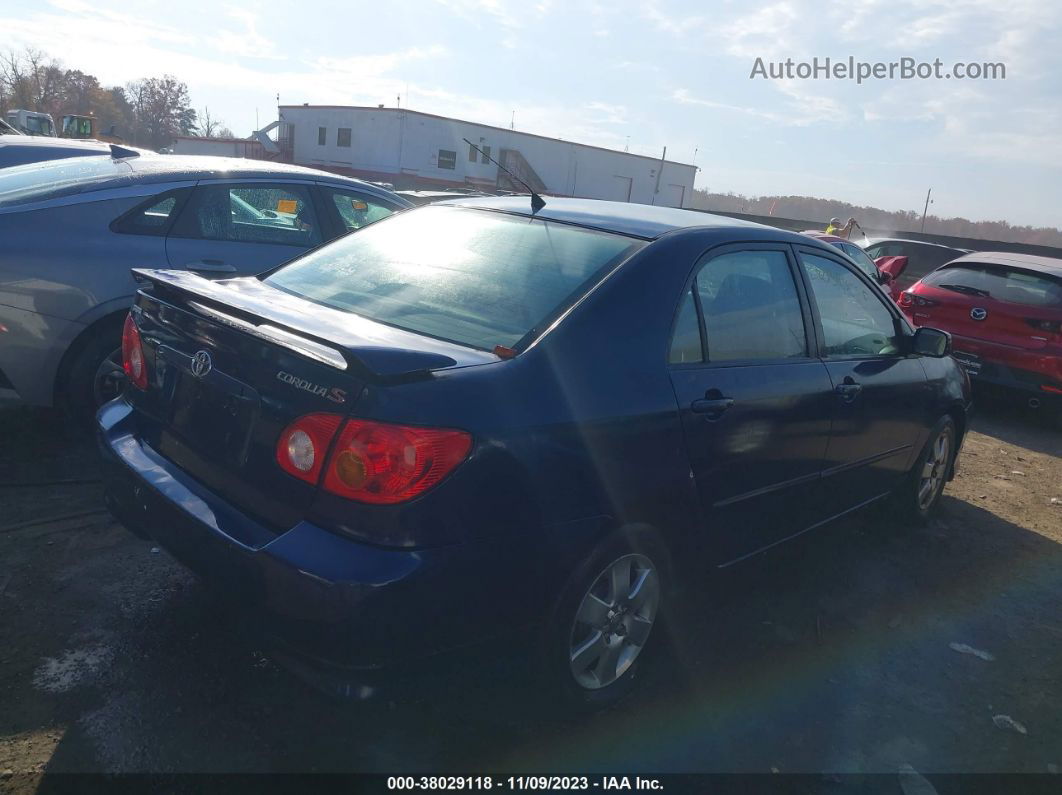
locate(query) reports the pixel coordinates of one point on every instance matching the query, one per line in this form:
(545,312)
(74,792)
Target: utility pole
(659,171)
(512,121)
(926,209)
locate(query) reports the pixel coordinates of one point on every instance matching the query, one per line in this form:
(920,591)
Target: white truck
(30,122)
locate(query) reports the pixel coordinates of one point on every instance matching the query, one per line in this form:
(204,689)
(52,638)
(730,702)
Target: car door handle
(848,389)
(712,408)
(209,266)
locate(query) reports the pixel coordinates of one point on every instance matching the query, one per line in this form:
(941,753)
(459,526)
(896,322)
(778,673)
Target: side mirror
(931,342)
(884,277)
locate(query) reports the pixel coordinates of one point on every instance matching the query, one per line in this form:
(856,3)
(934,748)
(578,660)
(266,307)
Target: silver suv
(73,228)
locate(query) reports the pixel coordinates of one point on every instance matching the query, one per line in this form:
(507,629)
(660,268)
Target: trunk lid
(232,363)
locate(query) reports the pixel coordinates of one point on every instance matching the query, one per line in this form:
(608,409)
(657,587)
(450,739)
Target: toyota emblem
(201,363)
(977,313)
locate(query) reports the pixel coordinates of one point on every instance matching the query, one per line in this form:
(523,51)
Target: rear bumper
(307,592)
(1014,368)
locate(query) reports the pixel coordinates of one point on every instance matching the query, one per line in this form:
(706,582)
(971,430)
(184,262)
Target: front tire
(603,623)
(919,497)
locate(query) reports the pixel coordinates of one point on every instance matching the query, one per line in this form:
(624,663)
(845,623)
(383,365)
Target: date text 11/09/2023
(521,783)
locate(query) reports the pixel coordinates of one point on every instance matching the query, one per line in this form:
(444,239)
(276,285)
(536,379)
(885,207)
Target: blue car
(472,422)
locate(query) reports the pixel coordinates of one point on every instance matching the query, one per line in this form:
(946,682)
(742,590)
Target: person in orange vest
(835,227)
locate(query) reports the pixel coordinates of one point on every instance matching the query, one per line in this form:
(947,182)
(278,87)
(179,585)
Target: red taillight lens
(303,445)
(133,361)
(906,299)
(383,464)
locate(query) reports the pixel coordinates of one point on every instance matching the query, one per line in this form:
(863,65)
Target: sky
(646,75)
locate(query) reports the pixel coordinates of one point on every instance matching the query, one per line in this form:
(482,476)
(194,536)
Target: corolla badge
(201,364)
(977,313)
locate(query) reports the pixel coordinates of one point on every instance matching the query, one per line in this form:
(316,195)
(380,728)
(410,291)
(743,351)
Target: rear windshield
(1003,284)
(54,178)
(474,277)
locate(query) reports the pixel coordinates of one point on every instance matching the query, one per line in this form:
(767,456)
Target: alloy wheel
(613,621)
(934,471)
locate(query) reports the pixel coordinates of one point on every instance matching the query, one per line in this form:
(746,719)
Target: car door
(881,402)
(244,227)
(755,403)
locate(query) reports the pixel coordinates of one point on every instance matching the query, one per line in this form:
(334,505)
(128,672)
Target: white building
(421,151)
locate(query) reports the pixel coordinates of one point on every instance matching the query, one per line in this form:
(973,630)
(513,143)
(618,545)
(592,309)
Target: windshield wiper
(962,288)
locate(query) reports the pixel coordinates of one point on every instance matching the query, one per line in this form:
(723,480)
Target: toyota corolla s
(474,422)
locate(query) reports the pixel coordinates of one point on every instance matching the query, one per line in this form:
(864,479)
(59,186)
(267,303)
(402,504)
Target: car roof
(637,220)
(875,240)
(1029,262)
(825,237)
(43,142)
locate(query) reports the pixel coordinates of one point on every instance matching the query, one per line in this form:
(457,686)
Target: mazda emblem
(201,363)
(977,313)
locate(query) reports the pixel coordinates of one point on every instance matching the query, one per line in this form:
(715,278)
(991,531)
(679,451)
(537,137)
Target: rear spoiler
(330,336)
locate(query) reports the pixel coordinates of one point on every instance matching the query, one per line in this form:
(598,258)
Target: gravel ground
(862,648)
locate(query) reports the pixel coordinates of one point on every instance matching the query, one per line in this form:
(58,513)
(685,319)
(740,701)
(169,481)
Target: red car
(1004,312)
(885,271)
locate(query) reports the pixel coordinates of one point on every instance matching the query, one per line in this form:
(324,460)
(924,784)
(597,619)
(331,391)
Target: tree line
(149,112)
(821,210)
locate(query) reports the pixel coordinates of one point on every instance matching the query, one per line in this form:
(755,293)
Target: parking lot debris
(914,783)
(1016,472)
(154,550)
(1007,722)
(1056,501)
(962,648)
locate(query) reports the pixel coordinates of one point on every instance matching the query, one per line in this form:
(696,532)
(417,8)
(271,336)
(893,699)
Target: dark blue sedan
(470,422)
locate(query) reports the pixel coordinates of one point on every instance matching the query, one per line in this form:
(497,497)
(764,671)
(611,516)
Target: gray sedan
(73,228)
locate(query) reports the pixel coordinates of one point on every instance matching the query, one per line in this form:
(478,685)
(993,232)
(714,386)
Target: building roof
(638,220)
(1029,262)
(480,124)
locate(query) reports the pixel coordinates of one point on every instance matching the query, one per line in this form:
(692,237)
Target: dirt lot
(832,654)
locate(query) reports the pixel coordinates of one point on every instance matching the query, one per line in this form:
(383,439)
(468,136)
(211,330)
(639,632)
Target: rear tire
(95,373)
(919,496)
(601,630)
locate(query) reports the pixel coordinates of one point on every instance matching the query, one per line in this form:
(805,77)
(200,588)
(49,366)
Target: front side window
(447,159)
(355,210)
(750,306)
(1000,283)
(473,277)
(252,213)
(343,136)
(855,321)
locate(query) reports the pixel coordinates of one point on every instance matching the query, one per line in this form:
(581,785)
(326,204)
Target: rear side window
(251,213)
(1003,284)
(153,217)
(686,339)
(474,277)
(750,305)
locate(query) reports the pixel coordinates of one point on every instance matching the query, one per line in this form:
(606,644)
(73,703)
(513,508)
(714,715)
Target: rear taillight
(303,445)
(380,463)
(910,299)
(133,361)
(372,462)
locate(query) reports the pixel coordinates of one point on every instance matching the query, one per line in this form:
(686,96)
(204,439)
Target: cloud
(246,42)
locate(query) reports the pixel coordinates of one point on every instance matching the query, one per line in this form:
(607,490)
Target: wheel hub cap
(613,621)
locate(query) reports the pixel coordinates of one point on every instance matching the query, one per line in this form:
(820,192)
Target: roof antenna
(537,202)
